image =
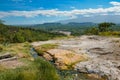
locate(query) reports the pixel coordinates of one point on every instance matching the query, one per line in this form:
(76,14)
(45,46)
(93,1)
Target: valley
(90,56)
(55,55)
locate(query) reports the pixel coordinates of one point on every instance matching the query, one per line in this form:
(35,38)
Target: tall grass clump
(46,70)
(38,70)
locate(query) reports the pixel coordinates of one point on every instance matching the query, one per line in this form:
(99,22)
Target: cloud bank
(113,10)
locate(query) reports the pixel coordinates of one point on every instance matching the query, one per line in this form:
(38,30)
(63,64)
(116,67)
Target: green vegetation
(2,68)
(104,29)
(45,47)
(110,33)
(105,26)
(20,49)
(10,34)
(92,31)
(1,48)
(76,29)
(38,70)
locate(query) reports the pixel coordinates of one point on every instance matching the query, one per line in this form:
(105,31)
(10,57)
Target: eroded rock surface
(101,67)
(9,61)
(64,59)
(103,53)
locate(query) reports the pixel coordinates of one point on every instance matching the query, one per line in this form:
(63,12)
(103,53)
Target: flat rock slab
(12,64)
(6,55)
(101,67)
(8,59)
(64,58)
(100,51)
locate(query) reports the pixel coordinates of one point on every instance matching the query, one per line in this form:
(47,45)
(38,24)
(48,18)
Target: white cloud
(115,9)
(115,3)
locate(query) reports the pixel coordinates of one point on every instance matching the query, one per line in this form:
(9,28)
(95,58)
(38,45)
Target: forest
(12,34)
(78,29)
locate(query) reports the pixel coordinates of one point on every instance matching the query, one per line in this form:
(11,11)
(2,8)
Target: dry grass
(20,49)
(2,68)
(45,47)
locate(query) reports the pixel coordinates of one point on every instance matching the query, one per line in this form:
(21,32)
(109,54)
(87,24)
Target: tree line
(10,34)
(104,29)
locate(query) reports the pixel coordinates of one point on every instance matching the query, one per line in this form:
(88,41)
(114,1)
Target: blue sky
(40,11)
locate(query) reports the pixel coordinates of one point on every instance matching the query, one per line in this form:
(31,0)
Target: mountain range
(94,19)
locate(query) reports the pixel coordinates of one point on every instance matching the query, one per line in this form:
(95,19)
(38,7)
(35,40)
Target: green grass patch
(45,47)
(20,49)
(38,70)
(2,68)
(110,33)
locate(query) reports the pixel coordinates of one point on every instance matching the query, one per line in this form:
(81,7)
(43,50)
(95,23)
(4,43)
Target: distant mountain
(52,23)
(76,28)
(81,24)
(94,19)
(73,27)
(73,24)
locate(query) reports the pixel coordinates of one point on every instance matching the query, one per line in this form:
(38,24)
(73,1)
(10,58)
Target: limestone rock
(101,67)
(64,58)
(47,57)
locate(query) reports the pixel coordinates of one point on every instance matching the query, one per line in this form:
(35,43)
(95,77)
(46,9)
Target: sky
(42,11)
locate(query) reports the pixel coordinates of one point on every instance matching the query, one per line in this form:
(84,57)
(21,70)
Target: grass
(38,70)
(2,68)
(45,47)
(110,33)
(20,49)
(1,48)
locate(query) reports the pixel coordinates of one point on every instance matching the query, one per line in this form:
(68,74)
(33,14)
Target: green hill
(15,34)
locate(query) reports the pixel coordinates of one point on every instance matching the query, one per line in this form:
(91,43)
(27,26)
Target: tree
(18,38)
(2,22)
(92,31)
(103,27)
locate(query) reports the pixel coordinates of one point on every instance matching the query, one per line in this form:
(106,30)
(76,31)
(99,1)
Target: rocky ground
(9,61)
(103,54)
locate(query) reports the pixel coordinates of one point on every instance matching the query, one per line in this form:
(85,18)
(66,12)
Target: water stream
(67,74)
